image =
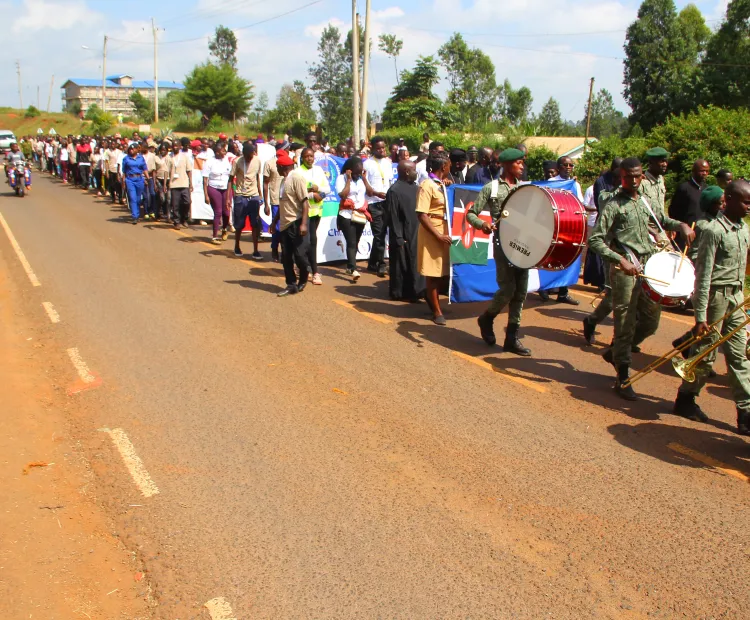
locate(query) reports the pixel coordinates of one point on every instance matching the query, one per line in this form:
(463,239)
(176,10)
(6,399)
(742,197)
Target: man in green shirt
(719,284)
(512,281)
(621,238)
(652,186)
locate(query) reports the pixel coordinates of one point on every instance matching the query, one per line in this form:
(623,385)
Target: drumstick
(641,275)
(684,252)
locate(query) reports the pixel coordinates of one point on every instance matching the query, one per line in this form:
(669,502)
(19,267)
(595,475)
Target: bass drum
(545,228)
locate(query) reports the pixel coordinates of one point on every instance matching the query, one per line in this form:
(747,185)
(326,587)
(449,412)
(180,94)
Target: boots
(485,328)
(588,330)
(686,407)
(624,392)
(512,344)
(743,422)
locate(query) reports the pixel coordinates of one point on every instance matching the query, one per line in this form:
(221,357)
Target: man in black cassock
(401,205)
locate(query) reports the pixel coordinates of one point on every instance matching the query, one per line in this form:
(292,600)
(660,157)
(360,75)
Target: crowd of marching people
(403,198)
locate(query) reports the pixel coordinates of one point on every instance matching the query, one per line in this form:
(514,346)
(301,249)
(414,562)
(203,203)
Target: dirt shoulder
(59,558)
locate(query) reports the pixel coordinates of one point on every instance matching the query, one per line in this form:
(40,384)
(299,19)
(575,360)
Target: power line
(263,21)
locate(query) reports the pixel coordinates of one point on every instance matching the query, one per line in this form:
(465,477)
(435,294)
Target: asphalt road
(336,455)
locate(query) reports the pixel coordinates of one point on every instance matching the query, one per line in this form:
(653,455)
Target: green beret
(512,155)
(710,196)
(657,151)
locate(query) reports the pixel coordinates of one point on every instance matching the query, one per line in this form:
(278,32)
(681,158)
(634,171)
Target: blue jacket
(134,165)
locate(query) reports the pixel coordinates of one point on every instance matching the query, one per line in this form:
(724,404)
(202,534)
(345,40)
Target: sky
(554,48)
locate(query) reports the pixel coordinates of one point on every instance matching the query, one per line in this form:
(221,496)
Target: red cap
(222,136)
(195,144)
(283,159)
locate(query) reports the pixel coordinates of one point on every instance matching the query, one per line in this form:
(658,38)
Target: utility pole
(20,94)
(49,97)
(588,115)
(365,71)
(104,75)
(355,73)
(156,74)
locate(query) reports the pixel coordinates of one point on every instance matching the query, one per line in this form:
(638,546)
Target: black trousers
(115,188)
(352,233)
(180,204)
(379,227)
(161,201)
(83,171)
(312,248)
(295,250)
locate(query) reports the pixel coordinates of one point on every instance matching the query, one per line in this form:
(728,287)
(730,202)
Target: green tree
(414,104)
(217,91)
(223,46)
(261,107)
(332,84)
(144,110)
(727,57)
(514,106)
(293,108)
(471,77)
(605,119)
(662,51)
(171,106)
(391,45)
(550,120)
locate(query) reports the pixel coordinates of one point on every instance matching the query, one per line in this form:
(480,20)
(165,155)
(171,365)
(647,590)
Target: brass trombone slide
(674,352)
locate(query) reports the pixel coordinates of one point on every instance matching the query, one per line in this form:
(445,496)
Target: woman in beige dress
(434,240)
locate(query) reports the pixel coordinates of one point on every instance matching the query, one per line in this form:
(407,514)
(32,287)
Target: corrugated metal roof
(111,84)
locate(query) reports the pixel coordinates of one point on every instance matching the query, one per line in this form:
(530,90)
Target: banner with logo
(472,262)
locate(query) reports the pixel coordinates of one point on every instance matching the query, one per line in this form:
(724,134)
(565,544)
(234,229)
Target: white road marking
(132,462)
(220,609)
(80,366)
(51,312)
(19,252)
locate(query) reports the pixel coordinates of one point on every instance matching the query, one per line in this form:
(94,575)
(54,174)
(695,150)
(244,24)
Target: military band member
(621,238)
(512,281)
(719,284)
(652,186)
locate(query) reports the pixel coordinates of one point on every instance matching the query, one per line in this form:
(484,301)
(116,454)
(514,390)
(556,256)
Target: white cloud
(44,15)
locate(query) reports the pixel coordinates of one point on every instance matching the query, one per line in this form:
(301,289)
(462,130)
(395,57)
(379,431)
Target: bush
(92,112)
(74,108)
(31,112)
(102,123)
(722,137)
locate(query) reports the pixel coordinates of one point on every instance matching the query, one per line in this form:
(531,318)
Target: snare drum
(545,228)
(663,266)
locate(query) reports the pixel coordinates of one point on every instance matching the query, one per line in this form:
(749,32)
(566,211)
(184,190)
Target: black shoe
(289,290)
(301,287)
(485,322)
(685,406)
(589,329)
(381,271)
(628,393)
(349,271)
(543,295)
(439,319)
(275,256)
(135,221)
(372,267)
(567,299)
(743,422)
(512,344)
(635,349)
(608,357)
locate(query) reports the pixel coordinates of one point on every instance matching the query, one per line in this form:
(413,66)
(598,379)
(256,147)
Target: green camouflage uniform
(512,281)
(700,226)
(720,276)
(655,191)
(623,223)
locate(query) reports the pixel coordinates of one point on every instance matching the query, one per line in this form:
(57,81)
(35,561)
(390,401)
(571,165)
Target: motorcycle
(19,178)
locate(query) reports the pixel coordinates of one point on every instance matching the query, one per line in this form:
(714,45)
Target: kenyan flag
(470,246)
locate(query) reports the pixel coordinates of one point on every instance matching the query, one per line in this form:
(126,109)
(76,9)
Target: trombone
(686,368)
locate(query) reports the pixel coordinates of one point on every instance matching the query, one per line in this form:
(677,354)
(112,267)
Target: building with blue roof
(118,89)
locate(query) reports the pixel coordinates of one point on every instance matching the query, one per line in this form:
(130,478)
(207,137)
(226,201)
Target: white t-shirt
(217,172)
(379,175)
(64,154)
(422,174)
(120,159)
(357,194)
(207,154)
(588,202)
